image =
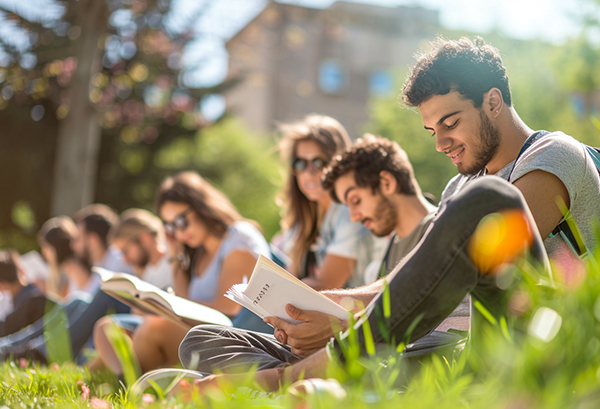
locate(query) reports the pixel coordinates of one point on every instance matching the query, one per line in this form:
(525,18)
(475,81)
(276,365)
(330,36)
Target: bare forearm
(180,281)
(359,296)
(316,283)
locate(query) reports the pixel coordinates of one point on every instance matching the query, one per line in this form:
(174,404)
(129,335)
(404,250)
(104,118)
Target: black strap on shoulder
(563,228)
(528,142)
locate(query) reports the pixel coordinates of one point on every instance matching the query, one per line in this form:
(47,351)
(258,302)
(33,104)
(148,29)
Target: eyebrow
(348,192)
(442,119)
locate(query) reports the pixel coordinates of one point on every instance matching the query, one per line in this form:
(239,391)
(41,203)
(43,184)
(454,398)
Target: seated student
(377,181)
(55,237)
(140,237)
(326,248)
(90,247)
(211,247)
(29,304)
(461,90)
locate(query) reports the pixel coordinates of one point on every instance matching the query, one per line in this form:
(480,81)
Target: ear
(387,183)
(493,103)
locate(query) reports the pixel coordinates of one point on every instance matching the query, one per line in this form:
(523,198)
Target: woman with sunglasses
(211,247)
(326,249)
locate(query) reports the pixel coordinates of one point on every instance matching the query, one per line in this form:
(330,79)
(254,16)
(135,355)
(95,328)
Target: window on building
(333,77)
(381,83)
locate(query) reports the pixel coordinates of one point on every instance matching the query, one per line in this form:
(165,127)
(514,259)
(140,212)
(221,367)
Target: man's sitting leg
(210,348)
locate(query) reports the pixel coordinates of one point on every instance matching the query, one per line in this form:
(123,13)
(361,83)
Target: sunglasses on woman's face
(180,222)
(314,165)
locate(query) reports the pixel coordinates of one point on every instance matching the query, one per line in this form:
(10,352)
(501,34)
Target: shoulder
(29,294)
(244,229)
(558,154)
(243,235)
(337,222)
(452,187)
(555,143)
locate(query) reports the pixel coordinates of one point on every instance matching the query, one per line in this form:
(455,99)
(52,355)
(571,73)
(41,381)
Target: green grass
(546,355)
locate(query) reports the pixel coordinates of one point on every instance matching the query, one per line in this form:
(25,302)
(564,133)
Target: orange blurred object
(500,238)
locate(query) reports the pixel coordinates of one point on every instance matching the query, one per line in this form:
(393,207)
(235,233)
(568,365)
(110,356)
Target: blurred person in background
(29,303)
(69,274)
(74,248)
(55,238)
(140,237)
(210,246)
(94,222)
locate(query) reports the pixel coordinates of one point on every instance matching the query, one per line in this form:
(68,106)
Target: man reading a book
(462,92)
(376,180)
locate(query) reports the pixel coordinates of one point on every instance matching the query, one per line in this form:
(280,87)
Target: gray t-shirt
(564,157)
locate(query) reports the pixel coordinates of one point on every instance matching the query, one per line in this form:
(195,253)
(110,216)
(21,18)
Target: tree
(98,65)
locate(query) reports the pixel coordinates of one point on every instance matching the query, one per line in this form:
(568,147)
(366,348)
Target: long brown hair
(214,209)
(297,210)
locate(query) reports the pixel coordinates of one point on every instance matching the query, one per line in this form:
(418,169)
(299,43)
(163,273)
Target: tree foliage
(89,92)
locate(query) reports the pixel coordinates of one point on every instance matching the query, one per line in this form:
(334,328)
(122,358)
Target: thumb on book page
(296,313)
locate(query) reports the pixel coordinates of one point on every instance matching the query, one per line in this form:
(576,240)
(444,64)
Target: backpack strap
(562,228)
(528,142)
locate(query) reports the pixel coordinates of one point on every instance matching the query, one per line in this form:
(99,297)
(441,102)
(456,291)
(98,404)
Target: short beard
(86,256)
(144,257)
(386,215)
(490,141)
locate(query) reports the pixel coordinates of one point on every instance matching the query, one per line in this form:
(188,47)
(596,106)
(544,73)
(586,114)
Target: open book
(34,266)
(142,295)
(271,287)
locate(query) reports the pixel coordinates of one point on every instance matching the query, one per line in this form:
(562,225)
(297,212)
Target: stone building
(296,60)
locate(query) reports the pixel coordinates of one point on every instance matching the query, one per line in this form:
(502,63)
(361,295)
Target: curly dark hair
(471,68)
(367,158)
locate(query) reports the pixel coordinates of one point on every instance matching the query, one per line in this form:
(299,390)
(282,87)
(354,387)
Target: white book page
(236,293)
(179,306)
(271,288)
(34,266)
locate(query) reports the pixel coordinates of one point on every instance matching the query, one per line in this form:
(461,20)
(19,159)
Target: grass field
(546,355)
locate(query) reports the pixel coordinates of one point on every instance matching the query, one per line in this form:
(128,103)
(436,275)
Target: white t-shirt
(6,304)
(340,236)
(159,274)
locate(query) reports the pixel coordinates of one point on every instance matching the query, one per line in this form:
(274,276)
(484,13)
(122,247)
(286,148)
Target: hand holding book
(314,331)
(271,288)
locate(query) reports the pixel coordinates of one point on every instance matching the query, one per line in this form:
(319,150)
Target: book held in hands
(137,293)
(271,288)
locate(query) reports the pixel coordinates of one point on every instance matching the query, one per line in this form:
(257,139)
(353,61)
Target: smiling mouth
(455,153)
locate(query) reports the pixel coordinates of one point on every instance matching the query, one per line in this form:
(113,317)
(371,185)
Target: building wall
(286,50)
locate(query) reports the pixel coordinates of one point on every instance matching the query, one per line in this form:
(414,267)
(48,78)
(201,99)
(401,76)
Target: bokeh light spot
(500,238)
(545,324)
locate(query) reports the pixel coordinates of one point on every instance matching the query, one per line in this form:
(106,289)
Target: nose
(442,143)
(178,235)
(354,214)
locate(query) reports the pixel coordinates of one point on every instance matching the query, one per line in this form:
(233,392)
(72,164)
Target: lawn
(546,355)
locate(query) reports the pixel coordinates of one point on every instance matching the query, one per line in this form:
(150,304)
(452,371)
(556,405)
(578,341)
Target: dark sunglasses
(315,165)
(180,222)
